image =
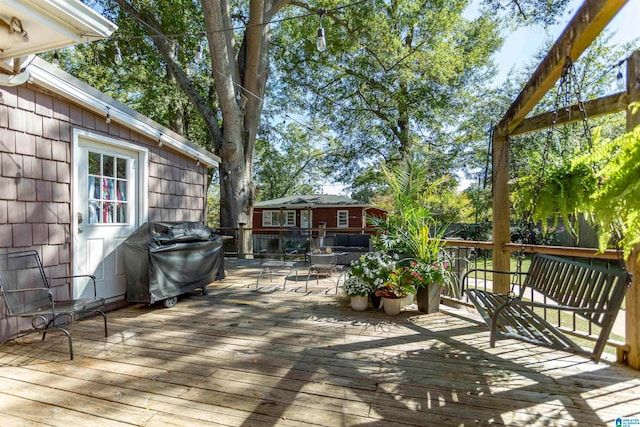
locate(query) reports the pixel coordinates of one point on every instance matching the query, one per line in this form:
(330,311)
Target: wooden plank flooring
(247,356)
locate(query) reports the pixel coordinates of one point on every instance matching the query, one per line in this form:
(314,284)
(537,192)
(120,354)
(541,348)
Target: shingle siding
(35,174)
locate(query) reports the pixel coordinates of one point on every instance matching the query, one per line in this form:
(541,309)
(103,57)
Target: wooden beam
(500,212)
(632,301)
(594,108)
(592,17)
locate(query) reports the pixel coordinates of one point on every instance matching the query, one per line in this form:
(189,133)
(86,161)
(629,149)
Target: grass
(487,264)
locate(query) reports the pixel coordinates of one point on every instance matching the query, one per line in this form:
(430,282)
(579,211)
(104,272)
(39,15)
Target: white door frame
(142,176)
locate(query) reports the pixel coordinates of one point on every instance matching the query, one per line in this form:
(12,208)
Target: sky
(521,46)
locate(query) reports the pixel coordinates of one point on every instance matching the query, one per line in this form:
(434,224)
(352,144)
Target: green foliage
(615,203)
(550,186)
(398,284)
(563,191)
(213,209)
(374,267)
(288,163)
(530,11)
(395,76)
(410,230)
(143,82)
(356,286)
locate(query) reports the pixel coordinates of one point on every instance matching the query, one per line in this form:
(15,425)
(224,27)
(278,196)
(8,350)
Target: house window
(289,219)
(343,219)
(279,218)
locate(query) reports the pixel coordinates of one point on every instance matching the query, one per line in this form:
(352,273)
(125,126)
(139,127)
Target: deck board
(242,356)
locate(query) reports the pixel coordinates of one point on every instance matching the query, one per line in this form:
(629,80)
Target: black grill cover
(167,259)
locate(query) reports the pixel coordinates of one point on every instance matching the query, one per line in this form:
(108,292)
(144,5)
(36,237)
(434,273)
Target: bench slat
(520,322)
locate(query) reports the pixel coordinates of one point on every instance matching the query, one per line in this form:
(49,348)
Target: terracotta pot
(359,302)
(428,297)
(392,306)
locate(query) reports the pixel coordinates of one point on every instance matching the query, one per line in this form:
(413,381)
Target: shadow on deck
(257,356)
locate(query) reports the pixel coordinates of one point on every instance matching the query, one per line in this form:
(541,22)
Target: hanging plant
(615,203)
(563,191)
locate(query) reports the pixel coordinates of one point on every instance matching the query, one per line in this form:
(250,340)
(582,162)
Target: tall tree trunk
(240,77)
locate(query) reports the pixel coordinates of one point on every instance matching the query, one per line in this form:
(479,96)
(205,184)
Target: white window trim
(288,215)
(346,214)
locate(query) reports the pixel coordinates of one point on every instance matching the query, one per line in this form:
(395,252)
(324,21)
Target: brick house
(338,213)
(79,171)
(286,223)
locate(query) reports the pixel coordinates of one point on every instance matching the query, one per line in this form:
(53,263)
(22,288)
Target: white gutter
(57,81)
(81,13)
(67,22)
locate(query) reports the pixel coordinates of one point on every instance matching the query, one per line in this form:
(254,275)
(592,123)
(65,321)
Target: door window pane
(107,191)
(122,169)
(94,163)
(108,166)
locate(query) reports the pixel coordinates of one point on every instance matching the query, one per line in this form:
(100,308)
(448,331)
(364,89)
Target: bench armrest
(483,270)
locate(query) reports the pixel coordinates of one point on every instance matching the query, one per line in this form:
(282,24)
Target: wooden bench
(36,303)
(558,286)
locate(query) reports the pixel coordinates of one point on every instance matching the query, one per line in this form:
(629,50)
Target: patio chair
(324,263)
(277,261)
(36,304)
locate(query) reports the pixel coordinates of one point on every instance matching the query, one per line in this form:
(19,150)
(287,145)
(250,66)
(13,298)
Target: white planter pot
(359,303)
(392,306)
(408,300)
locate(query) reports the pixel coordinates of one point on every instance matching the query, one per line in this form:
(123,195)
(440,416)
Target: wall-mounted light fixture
(108,118)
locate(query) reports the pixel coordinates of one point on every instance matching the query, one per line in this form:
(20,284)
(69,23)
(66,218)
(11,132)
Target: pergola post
(632,329)
(589,21)
(501,211)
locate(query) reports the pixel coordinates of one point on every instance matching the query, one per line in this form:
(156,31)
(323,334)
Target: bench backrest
(577,284)
(20,271)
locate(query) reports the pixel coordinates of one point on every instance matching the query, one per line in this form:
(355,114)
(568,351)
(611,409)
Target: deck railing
(464,255)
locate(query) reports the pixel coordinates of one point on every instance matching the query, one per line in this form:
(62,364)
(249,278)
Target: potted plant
(398,285)
(358,290)
(429,280)
(412,231)
(374,268)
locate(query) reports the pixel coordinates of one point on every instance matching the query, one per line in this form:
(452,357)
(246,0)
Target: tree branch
(160,41)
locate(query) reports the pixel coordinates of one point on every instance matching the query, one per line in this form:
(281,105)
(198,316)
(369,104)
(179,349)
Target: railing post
(322,230)
(241,248)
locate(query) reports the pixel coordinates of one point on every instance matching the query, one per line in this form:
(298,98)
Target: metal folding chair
(28,294)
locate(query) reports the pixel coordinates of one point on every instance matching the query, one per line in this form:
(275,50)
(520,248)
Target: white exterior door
(107,209)
(305,220)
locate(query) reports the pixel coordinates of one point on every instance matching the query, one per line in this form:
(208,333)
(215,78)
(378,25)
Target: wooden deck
(242,356)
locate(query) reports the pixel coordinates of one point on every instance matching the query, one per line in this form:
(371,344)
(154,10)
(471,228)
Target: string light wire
(238,28)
